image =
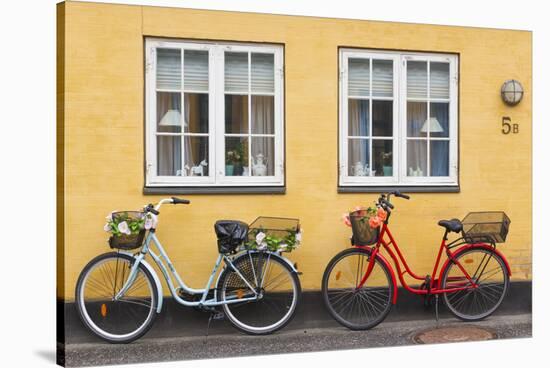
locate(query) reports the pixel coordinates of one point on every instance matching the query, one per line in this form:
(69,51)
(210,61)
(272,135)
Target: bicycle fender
(155,277)
(390,268)
(470,246)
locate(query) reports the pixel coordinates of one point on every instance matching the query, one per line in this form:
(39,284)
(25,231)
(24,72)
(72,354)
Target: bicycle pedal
(218,316)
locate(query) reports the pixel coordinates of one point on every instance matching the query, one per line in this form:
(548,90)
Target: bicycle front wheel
(277,288)
(116,321)
(488,270)
(353,307)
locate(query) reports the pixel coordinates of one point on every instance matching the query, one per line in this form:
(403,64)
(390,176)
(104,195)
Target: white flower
(123,228)
(283,246)
(299,236)
(107,227)
(260,237)
(151,221)
(263,245)
(109,217)
(148,223)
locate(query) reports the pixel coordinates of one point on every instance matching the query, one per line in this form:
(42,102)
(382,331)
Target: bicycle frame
(398,259)
(169,271)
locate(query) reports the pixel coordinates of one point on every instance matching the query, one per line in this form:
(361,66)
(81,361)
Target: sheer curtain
(358,149)
(263,123)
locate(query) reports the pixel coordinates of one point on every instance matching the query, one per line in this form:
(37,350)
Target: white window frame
(216,111)
(399,156)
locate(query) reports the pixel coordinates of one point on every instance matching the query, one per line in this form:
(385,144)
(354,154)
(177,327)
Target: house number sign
(509,127)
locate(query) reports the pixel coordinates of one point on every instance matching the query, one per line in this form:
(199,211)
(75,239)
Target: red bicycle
(360,286)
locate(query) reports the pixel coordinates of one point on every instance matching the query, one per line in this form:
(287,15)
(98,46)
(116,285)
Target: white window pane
(236,156)
(195,70)
(358,118)
(382,157)
(263,115)
(358,77)
(169,156)
(417,113)
(196,156)
(439,158)
(263,156)
(382,118)
(382,78)
(417,158)
(236,72)
(169,112)
(196,113)
(169,69)
(439,80)
(439,119)
(417,79)
(263,73)
(236,114)
(359,158)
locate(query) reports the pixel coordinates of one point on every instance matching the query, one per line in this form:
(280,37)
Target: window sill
(215,190)
(404,189)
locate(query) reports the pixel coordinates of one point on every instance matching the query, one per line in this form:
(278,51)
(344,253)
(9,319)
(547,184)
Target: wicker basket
(363,233)
(127,242)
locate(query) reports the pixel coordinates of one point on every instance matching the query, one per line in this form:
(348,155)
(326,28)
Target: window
(398,119)
(213,114)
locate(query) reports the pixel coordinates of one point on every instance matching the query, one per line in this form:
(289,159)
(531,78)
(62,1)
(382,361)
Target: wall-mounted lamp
(511,92)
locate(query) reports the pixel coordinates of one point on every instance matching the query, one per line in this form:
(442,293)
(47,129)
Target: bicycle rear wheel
(489,271)
(353,307)
(116,321)
(278,289)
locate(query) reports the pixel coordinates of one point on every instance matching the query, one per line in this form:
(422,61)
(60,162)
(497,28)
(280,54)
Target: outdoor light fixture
(171,118)
(511,92)
(433,125)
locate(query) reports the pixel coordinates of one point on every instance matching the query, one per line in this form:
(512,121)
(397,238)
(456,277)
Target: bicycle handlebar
(174,200)
(384,200)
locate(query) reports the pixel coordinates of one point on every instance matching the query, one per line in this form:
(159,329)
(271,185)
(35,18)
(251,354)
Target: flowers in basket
(125,223)
(375,216)
(260,239)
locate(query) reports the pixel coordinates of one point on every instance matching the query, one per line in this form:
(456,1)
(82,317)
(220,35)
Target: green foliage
(237,155)
(286,243)
(135,224)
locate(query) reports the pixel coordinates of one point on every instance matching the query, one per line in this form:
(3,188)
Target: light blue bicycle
(119,294)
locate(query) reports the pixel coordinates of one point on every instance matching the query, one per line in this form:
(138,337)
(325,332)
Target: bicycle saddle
(451,225)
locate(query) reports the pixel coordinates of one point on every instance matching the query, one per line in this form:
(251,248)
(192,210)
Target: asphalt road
(328,337)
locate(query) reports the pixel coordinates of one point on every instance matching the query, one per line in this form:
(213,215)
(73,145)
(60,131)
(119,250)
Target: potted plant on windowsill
(234,161)
(387,165)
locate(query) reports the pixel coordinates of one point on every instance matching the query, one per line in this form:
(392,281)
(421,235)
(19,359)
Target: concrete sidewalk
(179,333)
(388,333)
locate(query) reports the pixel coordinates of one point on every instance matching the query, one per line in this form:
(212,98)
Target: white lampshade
(171,118)
(433,125)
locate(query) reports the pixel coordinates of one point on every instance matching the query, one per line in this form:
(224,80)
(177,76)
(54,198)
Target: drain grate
(453,334)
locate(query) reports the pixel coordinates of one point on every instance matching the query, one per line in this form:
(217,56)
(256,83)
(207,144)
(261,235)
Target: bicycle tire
(495,296)
(229,281)
(88,312)
(384,297)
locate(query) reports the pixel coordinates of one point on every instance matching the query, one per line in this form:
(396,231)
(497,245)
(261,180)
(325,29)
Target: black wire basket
(133,240)
(285,229)
(489,226)
(363,233)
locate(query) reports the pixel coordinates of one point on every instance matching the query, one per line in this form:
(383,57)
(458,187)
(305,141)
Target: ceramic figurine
(258,165)
(199,169)
(359,169)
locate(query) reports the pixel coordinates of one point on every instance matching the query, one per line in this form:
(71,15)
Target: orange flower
(382,214)
(345,218)
(375,222)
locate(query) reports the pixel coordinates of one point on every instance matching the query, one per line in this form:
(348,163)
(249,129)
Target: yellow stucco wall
(103,135)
